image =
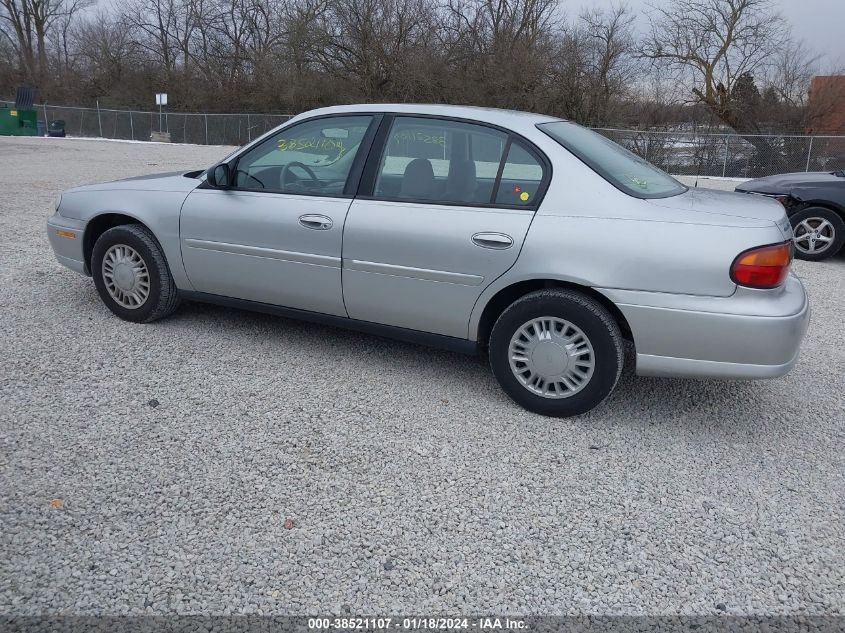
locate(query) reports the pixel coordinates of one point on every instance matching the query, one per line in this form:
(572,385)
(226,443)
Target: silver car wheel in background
(126,277)
(813,235)
(551,357)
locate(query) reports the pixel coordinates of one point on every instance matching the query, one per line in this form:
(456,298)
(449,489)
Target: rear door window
(522,177)
(440,161)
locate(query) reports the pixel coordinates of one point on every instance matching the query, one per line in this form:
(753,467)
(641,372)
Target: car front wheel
(818,233)
(556,352)
(131,274)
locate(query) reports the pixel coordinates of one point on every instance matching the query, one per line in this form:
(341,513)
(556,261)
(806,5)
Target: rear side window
(522,177)
(623,169)
(440,161)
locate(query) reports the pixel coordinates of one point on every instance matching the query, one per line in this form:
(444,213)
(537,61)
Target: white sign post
(161,100)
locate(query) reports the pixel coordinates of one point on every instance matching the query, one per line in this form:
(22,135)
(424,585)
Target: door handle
(498,241)
(317,222)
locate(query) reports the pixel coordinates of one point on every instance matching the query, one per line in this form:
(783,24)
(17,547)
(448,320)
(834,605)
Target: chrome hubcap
(813,235)
(126,276)
(551,357)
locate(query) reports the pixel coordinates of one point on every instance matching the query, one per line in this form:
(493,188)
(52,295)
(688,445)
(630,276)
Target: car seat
(461,184)
(418,179)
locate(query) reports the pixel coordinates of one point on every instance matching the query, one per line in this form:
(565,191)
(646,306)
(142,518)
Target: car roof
(511,119)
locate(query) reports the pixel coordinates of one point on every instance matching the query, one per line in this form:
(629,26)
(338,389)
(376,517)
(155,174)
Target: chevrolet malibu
(466,228)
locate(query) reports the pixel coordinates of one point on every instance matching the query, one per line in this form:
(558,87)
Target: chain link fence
(731,155)
(677,152)
(136,125)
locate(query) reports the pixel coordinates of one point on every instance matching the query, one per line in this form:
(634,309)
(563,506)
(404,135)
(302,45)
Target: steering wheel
(305,168)
(249,176)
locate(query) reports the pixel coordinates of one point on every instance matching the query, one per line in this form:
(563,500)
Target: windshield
(621,168)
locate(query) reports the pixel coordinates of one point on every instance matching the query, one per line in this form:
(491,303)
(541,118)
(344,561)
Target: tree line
(725,62)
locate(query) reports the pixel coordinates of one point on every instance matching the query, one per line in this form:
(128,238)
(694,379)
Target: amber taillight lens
(763,267)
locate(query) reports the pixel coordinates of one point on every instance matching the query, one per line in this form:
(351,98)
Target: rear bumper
(65,235)
(752,334)
(668,367)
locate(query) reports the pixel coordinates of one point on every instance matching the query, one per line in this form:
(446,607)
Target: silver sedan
(467,228)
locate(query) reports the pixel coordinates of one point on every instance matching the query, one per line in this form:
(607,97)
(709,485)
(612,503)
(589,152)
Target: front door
(275,236)
(450,206)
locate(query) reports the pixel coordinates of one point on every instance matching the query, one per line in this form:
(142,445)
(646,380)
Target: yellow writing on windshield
(333,147)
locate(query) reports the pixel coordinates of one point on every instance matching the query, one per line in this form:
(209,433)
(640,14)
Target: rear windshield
(621,168)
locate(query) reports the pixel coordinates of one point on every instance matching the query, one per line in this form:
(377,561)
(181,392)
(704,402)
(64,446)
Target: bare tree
(302,19)
(373,43)
(163,29)
(106,52)
(610,58)
(791,71)
(711,44)
(590,71)
(26,26)
(498,50)
(703,61)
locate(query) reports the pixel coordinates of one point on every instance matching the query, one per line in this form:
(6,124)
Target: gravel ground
(227,462)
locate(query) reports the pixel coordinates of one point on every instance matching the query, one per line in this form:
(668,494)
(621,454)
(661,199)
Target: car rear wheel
(818,233)
(556,352)
(131,274)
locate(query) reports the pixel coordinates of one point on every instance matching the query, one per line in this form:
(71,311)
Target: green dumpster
(18,122)
(21,118)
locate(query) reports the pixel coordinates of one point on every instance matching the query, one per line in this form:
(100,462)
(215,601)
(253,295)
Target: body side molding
(449,343)
(267,253)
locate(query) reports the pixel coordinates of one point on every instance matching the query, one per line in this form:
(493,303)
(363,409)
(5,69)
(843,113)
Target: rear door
(443,211)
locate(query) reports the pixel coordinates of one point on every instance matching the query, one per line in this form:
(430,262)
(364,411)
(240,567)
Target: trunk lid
(724,206)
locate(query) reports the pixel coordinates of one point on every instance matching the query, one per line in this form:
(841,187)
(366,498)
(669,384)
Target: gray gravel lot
(413,484)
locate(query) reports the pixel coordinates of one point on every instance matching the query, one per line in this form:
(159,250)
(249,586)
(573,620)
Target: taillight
(763,267)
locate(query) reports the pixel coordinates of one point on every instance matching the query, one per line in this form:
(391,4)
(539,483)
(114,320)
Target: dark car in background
(815,204)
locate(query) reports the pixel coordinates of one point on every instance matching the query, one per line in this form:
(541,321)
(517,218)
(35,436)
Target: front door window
(311,158)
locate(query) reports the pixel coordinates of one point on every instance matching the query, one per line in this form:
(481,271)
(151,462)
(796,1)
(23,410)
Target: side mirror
(218,176)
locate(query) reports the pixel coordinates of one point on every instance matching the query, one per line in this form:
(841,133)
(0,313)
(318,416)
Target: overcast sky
(821,23)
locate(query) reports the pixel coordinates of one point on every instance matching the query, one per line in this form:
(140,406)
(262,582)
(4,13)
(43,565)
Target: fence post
(81,117)
(727,152)
(46,122)
(809,154)
(99,121)
(248,129)
(206,128)
(131,126)
(647,143)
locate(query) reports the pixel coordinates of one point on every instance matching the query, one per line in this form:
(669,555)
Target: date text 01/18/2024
(417,623)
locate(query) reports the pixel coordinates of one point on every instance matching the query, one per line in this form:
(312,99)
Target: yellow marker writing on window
(523,196)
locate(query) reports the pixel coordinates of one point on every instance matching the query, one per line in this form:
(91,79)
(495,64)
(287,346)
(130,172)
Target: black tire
(163,297)
(837,227)
(585,313)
